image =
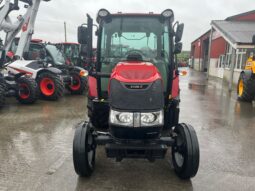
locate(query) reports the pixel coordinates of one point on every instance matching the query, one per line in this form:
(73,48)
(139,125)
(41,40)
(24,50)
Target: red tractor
(133,96)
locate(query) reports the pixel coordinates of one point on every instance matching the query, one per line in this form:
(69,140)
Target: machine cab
(147,38)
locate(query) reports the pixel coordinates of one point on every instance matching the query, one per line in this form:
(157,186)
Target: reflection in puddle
(197,86)
(245,109)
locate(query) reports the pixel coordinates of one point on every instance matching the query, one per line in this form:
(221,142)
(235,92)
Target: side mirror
(178,48)
(253,40)
(179,33)
(83,35)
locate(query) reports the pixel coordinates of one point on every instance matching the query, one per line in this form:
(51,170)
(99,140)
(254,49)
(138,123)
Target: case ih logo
(136,86)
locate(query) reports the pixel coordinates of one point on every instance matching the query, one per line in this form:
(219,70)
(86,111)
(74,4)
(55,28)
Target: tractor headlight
(167,13)
(126,118)
(121,118)
(137,119)
(84,73)
(103,14)
(152,119)
(147,118)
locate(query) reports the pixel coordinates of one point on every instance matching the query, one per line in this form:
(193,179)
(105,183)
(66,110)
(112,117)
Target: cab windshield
(57,55)
(145,37)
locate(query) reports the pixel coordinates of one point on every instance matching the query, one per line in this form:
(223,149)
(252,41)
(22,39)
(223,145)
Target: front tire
(50,85)
(246,88)
(185,151)
(27,92)
(84,150)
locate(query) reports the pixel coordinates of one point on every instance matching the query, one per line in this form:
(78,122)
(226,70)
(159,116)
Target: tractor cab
(70,51)
(136,48)
(134,93)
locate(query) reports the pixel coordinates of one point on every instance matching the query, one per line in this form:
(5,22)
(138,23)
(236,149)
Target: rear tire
(84,150)
(2,95)
(79,85)
(246,88)
(50,85)
(27,92)
(185,151)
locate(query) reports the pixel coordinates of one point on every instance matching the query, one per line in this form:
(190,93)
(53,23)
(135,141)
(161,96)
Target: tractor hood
(136,86)
(135,72)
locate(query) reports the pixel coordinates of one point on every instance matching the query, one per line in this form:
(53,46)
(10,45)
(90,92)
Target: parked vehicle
(50,84)
(72,77)
(134,97)
(21,86)
(246,82)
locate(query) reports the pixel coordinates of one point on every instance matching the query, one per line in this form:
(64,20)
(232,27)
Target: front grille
(136,96)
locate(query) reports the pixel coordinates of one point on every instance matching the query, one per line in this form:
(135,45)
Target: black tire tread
(83,84)
(80,159)
(59,86)
(248,89)
(32,85)
(191,163)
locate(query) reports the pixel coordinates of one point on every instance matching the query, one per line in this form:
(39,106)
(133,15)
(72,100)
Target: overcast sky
(195,14)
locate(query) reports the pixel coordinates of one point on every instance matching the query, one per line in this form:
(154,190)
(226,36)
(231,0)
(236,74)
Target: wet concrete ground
(36,146)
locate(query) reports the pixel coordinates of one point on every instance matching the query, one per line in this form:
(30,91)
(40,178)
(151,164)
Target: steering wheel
(135,52)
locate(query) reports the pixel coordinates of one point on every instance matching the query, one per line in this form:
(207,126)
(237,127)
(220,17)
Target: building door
(205,55)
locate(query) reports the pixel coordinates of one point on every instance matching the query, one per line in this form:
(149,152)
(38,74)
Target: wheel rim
(240,88)
(47,86)
(24,91)
(91,150)
(76,83)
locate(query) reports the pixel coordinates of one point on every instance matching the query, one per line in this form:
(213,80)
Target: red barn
(227,44)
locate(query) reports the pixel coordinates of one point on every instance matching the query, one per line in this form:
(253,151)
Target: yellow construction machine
(246,82)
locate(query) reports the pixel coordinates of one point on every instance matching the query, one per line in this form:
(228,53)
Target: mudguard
(52,70)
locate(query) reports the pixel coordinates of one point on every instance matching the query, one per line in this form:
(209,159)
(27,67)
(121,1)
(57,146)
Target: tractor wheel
(185,151)
(246,88)
(51,87)
(2,95)
(84,150)
(27,92)
(79,84)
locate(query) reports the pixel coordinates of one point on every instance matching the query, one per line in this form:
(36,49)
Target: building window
(221,61)
(227,61)
(240,58)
